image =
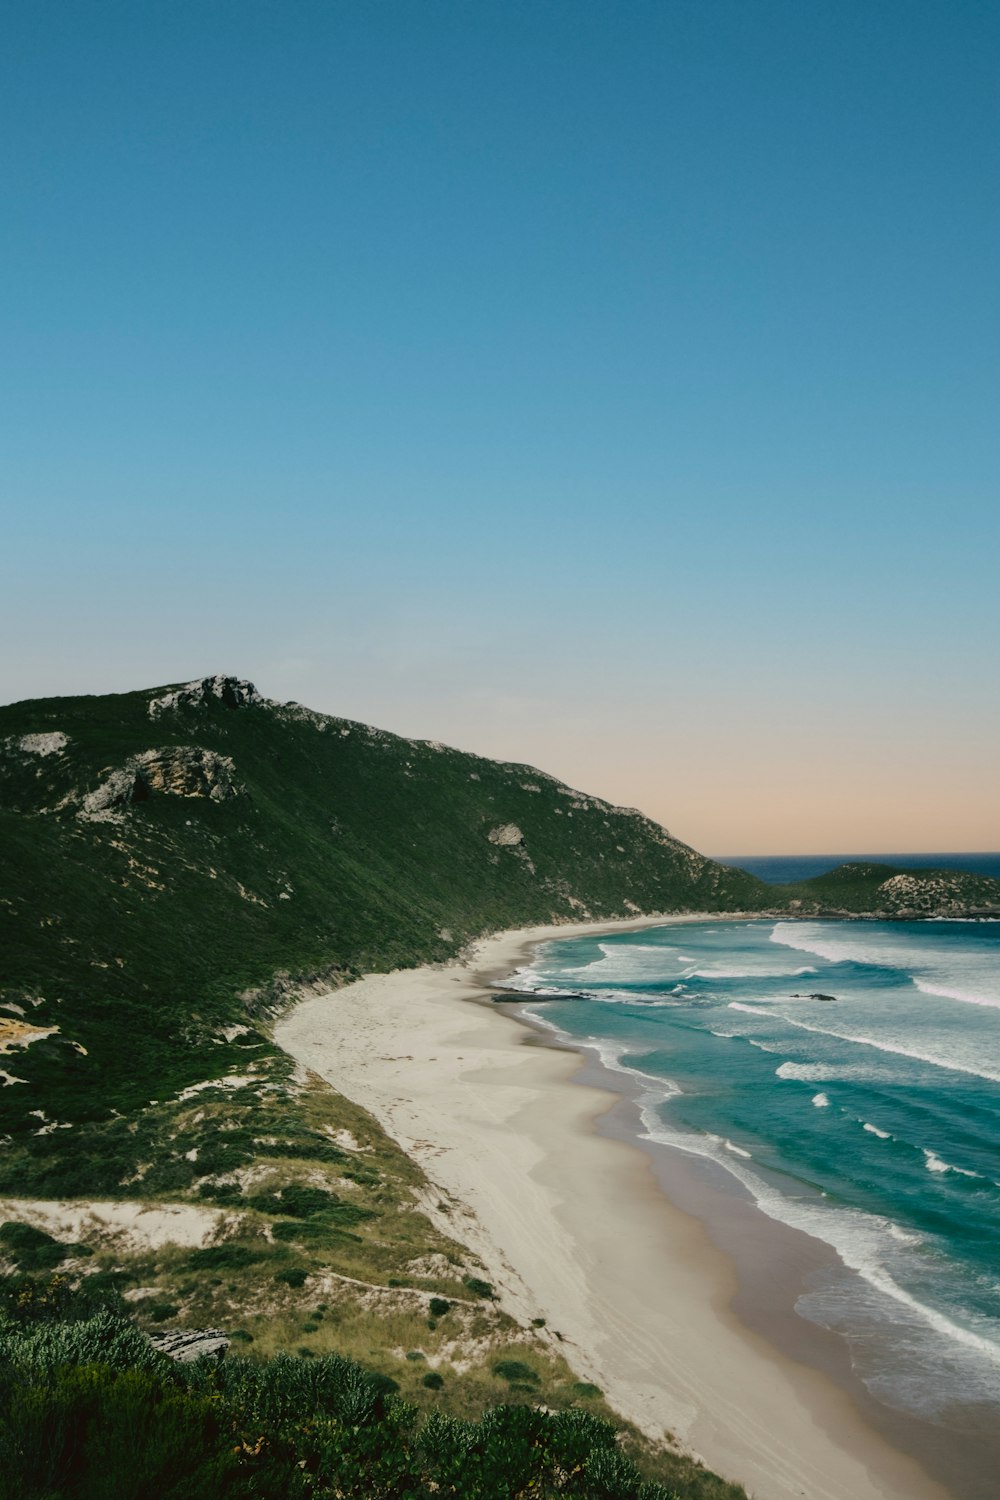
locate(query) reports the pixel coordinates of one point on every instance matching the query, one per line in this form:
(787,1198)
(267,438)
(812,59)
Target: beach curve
(573,1226)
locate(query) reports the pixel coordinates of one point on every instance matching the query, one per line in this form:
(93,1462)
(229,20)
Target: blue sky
(609,386)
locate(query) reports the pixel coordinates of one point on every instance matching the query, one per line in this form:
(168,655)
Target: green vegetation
(89,1409)
(887,891)
(322,848)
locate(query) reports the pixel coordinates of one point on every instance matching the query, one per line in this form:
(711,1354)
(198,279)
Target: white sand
(125,1226)
(572,1227)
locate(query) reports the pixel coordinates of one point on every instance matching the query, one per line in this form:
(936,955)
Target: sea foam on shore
(575,1228)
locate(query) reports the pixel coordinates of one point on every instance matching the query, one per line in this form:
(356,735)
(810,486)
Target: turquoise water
(871,1122)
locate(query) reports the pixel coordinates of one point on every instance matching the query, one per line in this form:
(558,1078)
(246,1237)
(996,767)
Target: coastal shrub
(480,1288)
(104,1339)
(90,1431)
(28,1299)
(515,1369)
(293,1276)
(80,1421)
(610,1475)
(224,1257)
(439,1306)
(31,1249)
(161,1311)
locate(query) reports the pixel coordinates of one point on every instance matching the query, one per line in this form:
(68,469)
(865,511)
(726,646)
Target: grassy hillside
(168,852)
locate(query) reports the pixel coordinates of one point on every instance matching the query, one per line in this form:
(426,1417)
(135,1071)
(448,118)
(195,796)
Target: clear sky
(603,384)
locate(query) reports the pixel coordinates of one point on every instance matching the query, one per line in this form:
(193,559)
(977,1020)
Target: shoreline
(577,1223)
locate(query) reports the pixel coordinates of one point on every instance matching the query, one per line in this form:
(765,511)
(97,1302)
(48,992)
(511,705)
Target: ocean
(870,1120)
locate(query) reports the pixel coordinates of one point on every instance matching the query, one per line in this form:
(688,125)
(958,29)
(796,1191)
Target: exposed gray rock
(42,744)
(234,692)
(175,770)
(507,835)
(188,1344)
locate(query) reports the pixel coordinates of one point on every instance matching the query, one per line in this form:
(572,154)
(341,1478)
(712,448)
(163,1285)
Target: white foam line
(823,1224)
(931,987)
(867,1041)
(935,1163)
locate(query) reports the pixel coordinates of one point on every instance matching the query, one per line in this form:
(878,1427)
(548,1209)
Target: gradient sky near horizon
(602,384)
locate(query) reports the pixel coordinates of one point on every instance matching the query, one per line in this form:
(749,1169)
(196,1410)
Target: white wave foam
(805,1072)
(821,1101)
(883,1135)
(932,987)
(895,1048)
(858,1237)
(610,1057)
(929,965)
(934,1163)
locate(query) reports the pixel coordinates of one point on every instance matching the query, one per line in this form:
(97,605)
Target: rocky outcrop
(507,836)
(188,1344)
(233,692)
(175,771)
(932,894)
(39,744)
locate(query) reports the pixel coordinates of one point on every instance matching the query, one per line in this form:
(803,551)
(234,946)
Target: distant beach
(624,1251)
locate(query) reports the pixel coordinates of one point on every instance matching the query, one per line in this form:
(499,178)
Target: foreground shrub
(92,1432)
(89,1411)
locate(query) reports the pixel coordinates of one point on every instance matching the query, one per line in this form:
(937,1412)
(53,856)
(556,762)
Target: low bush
(293,1276)
(224,1257)
(31,1249)
(515,1370)
(480,1288)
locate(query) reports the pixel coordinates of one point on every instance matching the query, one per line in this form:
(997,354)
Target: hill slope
(168,852)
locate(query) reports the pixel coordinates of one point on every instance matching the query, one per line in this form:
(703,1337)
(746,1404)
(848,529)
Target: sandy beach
(575,1227)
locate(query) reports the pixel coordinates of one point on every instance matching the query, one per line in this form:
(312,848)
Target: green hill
(168,853)
(885,891)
